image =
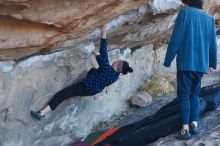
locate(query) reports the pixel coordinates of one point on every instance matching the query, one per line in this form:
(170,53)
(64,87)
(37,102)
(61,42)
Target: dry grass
(171,78)
(159,86)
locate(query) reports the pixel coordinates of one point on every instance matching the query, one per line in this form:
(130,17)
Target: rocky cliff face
(30,27)
(44,47)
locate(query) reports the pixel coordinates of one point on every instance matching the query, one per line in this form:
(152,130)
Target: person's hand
(211,70)
(103,31)
(94,53)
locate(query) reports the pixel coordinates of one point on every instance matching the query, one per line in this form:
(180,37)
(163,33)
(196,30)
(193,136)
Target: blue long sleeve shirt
(103,76)
(193,41)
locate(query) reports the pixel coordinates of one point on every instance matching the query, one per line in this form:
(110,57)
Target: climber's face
(118,65)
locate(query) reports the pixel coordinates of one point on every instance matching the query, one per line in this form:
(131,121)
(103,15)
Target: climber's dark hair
(126,68)
(194,3)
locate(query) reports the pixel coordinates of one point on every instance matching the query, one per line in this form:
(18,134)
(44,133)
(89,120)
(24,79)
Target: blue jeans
(188,89)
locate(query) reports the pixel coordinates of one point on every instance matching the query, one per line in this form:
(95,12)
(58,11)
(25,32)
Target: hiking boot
(37,115)
(184,135)
(194,129)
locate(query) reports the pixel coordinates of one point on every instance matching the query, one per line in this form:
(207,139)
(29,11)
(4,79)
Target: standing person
(194,42)
(95,81)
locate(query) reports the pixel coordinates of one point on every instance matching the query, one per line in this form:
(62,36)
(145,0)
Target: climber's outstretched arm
(102,59)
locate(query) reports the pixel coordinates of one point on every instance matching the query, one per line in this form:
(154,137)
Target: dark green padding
(93,136)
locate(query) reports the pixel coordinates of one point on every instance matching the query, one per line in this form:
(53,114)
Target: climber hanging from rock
(95,81)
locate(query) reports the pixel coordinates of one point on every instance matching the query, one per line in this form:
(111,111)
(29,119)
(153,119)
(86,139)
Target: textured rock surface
(30,27)
(141,99)
(31,83)
(162,6)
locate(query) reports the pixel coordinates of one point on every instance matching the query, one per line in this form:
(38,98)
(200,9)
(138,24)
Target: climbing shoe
(194,129)
(37,115)
(184,135)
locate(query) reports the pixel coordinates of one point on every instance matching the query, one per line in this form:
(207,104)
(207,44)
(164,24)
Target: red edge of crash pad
(106,134)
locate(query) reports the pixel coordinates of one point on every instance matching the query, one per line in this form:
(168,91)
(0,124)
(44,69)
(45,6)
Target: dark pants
(77,89)
(189,84)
